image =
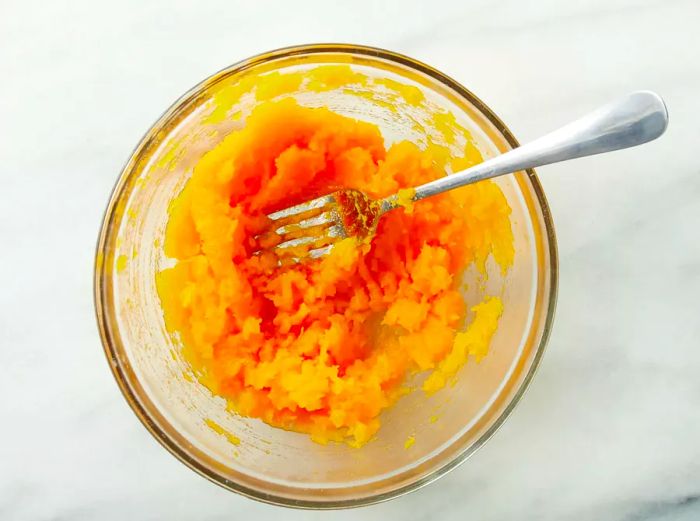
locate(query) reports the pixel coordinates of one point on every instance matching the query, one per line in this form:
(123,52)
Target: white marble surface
(610,430)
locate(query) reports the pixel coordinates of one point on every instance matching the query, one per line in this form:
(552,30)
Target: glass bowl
(271,464)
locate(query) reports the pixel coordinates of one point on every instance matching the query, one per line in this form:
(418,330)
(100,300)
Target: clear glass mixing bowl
(274,465)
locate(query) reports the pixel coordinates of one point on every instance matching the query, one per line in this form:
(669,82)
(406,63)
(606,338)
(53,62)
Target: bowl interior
(269,463)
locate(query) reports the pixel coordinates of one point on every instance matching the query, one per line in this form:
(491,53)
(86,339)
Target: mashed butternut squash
(322,347)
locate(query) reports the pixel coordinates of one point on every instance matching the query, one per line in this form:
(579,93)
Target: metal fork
(310,229)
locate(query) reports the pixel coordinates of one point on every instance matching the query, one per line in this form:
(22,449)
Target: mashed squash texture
(322,347)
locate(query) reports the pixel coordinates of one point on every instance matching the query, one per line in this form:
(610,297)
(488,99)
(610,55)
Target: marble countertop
(610,429)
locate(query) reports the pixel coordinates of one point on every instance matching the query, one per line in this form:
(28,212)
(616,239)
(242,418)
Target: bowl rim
(102,259)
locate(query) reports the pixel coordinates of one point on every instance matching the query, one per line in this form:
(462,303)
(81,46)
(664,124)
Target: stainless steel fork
(310,229)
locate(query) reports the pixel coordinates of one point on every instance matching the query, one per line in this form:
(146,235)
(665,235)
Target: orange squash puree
(323,347)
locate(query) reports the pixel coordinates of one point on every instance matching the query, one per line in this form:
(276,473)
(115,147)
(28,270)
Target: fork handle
(627,122)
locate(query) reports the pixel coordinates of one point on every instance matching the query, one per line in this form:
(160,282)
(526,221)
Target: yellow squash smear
(231,438)
(409,442)
(323,347)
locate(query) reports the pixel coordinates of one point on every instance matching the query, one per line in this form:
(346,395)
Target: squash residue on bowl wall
(322,347)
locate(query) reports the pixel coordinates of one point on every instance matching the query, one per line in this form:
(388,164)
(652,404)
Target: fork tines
(307,229)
